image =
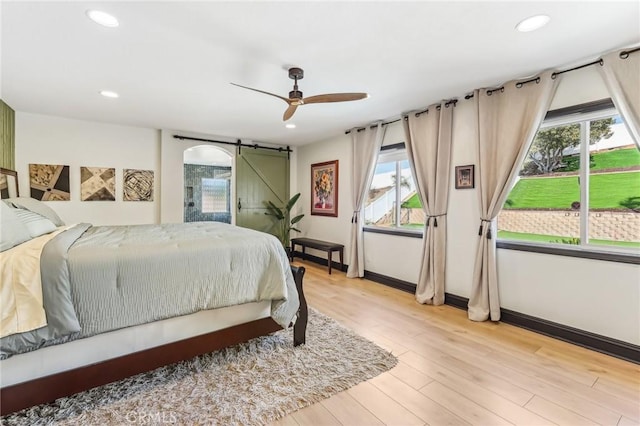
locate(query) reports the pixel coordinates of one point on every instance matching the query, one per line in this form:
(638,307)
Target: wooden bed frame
(49,388)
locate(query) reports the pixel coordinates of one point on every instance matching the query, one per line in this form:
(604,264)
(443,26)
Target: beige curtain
(621,74)
(508,119)
(428,142)
(365,146)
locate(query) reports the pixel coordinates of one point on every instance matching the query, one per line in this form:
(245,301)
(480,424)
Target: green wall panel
(7,136)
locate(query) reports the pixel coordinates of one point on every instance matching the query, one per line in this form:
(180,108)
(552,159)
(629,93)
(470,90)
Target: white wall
(42,139)
(596,296)
(335,229)
(593,295)
(463,217)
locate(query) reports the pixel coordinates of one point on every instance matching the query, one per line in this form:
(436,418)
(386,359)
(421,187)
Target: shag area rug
(252,383)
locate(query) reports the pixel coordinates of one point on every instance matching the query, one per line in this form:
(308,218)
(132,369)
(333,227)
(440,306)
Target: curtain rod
(518,84)
(238,144)
(446,105)
(623,55)
(360,129)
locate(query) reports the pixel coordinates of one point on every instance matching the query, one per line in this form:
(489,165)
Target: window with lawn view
(579,185)
(392,202)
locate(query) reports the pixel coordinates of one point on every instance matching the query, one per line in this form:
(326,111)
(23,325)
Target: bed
(117,301)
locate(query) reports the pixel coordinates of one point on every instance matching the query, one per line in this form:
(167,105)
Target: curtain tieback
(435,219)
(354,218)
(488,230)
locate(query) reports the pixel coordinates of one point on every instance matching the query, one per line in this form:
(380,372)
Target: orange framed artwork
(324,188)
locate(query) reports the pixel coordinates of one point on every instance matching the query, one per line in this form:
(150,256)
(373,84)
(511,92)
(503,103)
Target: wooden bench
(318,245)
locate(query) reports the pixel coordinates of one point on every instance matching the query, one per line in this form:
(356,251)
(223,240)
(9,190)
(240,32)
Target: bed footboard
(300,327)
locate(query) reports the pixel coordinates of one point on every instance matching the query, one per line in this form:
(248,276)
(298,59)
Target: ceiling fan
(296,99)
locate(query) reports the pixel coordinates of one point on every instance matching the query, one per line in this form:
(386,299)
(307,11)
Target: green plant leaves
(282,217)
(291,202)
(274,210)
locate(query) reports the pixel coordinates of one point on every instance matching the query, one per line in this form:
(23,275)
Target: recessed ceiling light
(103,18)
(290,126)
(109,94)
(533,23)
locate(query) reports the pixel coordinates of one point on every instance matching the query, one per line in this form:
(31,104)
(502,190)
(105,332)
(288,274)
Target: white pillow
(35,223)
(12,230)
(37,206)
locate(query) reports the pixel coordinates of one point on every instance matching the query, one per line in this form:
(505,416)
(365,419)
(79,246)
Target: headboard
(8,183)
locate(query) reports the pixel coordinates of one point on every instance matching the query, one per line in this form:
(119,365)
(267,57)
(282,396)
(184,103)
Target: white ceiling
(172,62)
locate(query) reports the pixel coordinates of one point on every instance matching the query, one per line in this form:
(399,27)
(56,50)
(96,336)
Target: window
(579,185)
(215,195)
(393,203)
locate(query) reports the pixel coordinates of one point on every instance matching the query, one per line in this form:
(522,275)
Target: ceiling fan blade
(335,97)
(289,112)
(262,91)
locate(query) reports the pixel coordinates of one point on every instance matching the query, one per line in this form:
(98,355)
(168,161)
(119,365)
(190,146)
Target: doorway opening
(207,184)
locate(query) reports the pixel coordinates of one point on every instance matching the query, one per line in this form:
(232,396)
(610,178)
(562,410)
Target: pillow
(35,223)
(12,230)
(36,206)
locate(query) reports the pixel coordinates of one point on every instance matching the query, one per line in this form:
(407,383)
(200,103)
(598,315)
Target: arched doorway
(207,184)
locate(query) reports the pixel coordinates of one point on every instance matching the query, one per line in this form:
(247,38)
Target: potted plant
(284,224)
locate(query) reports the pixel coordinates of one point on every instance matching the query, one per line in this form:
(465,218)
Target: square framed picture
(324,188)
(465,177)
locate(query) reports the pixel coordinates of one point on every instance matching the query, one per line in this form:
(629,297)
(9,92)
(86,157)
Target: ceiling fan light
(533,23)
(103,18)
(290,126)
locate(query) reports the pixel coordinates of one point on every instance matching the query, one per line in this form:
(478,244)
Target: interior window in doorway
(215,195)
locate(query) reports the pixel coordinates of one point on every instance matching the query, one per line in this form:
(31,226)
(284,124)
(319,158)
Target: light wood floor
(454,371)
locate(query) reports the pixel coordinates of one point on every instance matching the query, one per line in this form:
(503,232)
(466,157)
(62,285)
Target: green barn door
(261,175)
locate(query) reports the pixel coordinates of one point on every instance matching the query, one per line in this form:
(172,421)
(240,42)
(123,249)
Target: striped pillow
(12,231)
(36,224)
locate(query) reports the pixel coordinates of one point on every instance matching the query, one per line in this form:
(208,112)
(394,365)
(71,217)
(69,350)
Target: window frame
(394,230)
(583,113)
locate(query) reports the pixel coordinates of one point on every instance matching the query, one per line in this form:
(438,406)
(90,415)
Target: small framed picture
(465,177)
(324,189)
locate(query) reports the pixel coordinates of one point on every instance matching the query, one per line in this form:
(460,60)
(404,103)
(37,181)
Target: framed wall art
(324,188)
(97,184)
(137,185)
(465,177)
(49,182)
